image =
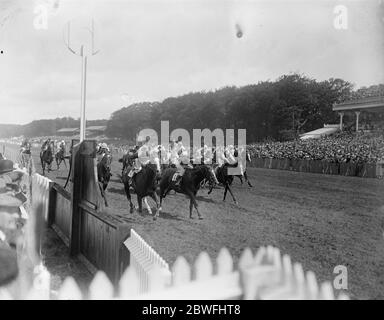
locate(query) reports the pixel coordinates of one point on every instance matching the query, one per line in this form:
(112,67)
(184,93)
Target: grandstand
(368,111)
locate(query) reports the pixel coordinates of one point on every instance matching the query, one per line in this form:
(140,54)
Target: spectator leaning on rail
(11,198)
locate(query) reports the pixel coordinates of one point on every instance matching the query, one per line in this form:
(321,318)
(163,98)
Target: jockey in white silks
(165,155)
(221,159)
(231,154)
(101,150)
(208,155)
(143,158)
(179,156)
(62,146)
(196,159)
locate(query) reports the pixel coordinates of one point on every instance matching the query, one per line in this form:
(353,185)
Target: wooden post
(341,114)
(52,204)
(357,120)
(74,239)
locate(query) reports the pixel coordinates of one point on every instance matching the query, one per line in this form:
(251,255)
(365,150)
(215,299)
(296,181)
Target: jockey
(207,154)
(179,157)
(221,159)
(197,156)
(142,154)
(46,144)
(102,148)
(232,153)
(62,146)
(164,154)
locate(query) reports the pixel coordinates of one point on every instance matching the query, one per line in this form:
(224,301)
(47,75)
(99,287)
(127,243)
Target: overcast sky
(150,50)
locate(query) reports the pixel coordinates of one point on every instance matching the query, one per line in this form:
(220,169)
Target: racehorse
(224,178)
(248,159)
(60,157)
(189,185)
(144,183)
(104,174)
(46,157)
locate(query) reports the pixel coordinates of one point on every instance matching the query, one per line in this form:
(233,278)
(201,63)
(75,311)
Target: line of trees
(44,127)
(277,110)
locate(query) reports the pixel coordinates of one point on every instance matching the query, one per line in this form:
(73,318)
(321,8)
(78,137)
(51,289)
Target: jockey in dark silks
(46,144)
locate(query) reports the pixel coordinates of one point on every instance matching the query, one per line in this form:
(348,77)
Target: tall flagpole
(83,54)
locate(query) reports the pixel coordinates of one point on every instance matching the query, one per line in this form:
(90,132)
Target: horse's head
(209,174)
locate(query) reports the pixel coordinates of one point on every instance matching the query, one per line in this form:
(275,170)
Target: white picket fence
(40,192)
(263,276)
(143,258)
(11,154)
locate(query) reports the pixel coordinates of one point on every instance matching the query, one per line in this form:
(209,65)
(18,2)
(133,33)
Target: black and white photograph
(174,151)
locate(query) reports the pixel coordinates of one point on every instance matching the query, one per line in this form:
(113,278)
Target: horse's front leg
(103,193)
(233,197)
(147,205)
(192,196)
(128,193)
(154,197)
(246,179)
(225,190)
(190,208)
(140,203)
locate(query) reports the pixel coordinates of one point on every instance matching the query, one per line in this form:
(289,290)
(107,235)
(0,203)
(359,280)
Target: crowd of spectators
(341,147)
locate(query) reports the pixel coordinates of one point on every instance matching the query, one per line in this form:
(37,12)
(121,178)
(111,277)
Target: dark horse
(248,159)
(60,157)
(104,174)
(189,185)
(144,183)
(46,157)
(225,179)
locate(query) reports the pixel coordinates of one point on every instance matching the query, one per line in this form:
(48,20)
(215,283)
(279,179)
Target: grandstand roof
(318,133)
(68,130)
(371,104)
(97,128)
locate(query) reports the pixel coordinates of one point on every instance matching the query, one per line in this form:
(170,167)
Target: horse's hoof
(200,218)
(131,210)
(154,218)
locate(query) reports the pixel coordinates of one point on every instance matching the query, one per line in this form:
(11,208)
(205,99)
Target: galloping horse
(46,157)
(189,185)
(60,157)
(224,178)
(104,174)
(248,159)
(144,183)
